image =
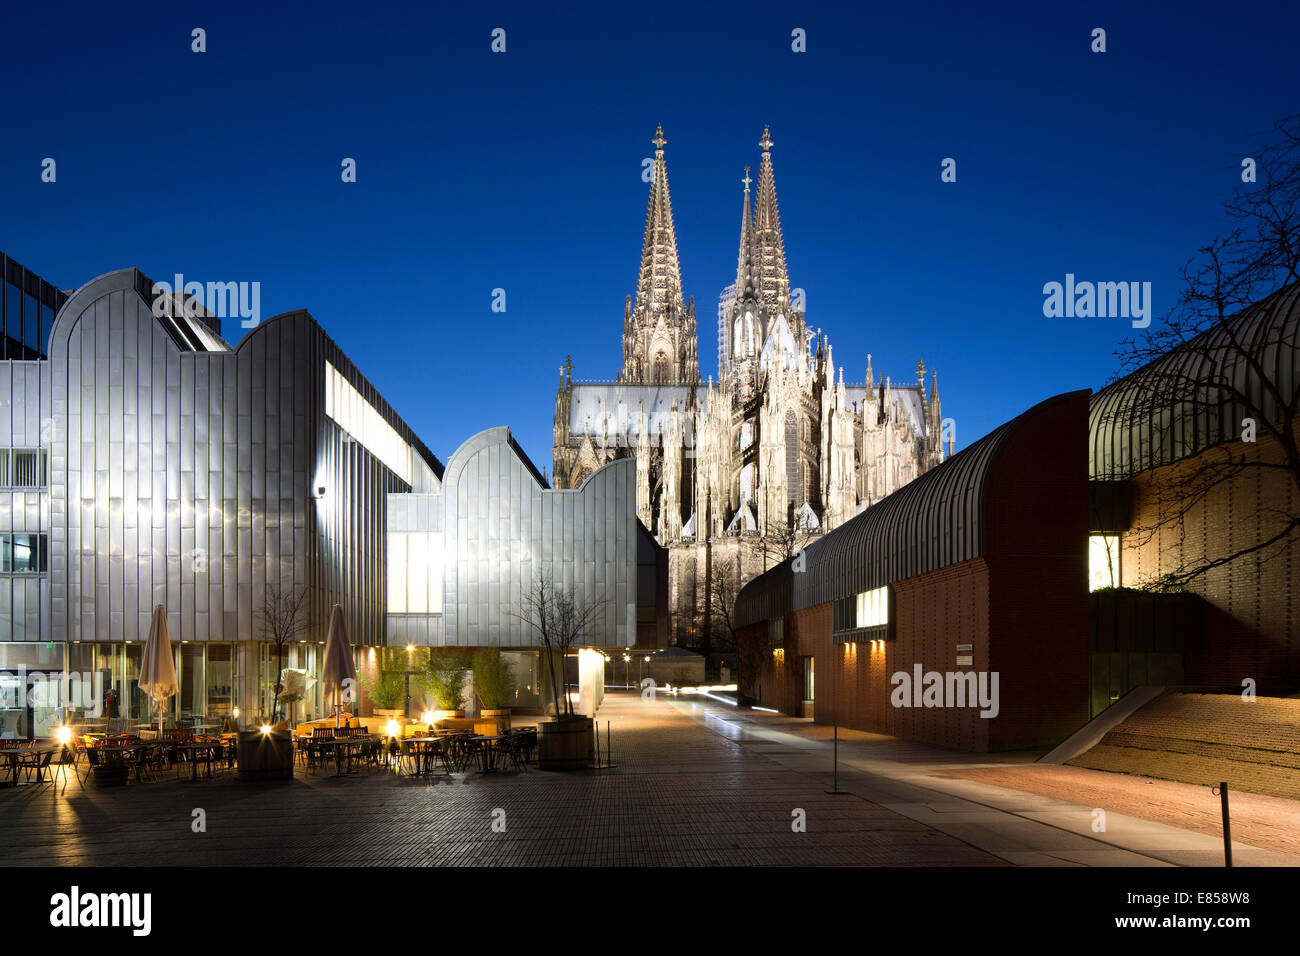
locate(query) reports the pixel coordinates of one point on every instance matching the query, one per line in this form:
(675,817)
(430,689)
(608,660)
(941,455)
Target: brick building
(961,594)
(1141,536)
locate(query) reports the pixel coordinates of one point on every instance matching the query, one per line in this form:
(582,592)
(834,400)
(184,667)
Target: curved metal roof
(933,521)
(1183,402)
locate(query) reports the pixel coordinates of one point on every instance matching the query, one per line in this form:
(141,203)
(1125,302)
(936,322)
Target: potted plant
(111,770)
(564,742)
(444,676)
(494,684)
(387,691)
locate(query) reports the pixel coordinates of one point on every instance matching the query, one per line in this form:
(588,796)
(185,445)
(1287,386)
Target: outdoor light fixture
(320,491)
(265,728)
(63,735)
(392,728)
(236,713)
(427,717)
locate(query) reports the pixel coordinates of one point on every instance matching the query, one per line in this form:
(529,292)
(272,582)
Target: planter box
(500,714)
(110,774)
(265,756)
(565,744)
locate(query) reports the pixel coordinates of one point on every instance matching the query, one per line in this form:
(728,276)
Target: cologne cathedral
(778,449)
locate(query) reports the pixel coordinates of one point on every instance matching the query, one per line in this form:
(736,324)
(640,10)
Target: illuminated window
(1103,561)
(868,609)
(358,418)
(415,572)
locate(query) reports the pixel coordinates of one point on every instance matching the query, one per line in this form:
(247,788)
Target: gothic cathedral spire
(659,335)
(769,248)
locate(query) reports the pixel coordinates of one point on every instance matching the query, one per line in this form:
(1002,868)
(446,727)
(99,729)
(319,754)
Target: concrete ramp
(1090,734)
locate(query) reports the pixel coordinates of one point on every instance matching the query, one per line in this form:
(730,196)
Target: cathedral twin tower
(778,446)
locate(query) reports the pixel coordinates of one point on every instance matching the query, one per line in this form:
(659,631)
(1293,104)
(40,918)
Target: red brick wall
(1254,629)
(1037,549)
(934,613)
(1023,608)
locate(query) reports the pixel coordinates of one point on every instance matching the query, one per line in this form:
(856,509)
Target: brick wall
(1023,608)
(1253,629)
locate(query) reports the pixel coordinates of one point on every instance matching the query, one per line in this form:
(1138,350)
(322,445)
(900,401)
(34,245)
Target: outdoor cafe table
(194,748)
(425,750)
(110,750)
(488,750)
(16,765)
(342,746)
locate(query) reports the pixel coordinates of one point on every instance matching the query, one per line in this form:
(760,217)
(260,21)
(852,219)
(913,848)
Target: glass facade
(28,304)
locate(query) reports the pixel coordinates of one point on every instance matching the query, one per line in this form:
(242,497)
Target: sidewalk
(1021,812)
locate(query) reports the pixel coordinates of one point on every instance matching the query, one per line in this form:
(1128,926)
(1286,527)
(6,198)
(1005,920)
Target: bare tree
(779,544)
(724,587)
(1233,371)
(559,620)
(282,620)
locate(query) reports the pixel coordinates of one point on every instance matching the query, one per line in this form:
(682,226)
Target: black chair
(510,747)
(68,758)
(37,765)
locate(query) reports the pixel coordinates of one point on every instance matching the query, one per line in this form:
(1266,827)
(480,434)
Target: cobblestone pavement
(679,794)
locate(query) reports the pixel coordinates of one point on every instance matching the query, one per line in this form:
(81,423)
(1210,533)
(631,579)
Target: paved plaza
(694,783)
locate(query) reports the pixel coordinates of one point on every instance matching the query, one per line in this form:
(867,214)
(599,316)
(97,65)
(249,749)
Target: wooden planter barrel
(265,756)
(110,775)
(565,744)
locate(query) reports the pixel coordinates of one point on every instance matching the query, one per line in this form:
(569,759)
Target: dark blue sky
(523,171)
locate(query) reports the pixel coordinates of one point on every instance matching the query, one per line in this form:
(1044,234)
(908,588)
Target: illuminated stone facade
(779,448)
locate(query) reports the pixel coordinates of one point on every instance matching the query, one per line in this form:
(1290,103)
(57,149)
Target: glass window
(190,697)
(6,555)
(1103,561)
(47,326)
(29,553)
(13,312)
(807,678)
(31,323)
(220,680)
(4,468)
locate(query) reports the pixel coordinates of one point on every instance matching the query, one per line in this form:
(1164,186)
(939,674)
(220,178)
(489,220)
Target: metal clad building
(496,528)
(148,462)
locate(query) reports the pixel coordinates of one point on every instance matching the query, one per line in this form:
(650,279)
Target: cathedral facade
(732,475)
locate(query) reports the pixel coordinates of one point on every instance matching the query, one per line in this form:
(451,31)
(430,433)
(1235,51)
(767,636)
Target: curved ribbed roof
(936,520)
(1183,402)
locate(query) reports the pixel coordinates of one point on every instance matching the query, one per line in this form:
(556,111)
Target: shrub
(493,679)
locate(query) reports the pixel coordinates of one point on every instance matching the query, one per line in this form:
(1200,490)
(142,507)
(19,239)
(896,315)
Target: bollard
(836,762)
(1222,789)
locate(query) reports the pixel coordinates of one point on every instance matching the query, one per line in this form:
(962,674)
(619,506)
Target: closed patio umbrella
(158,668)
(338,665)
